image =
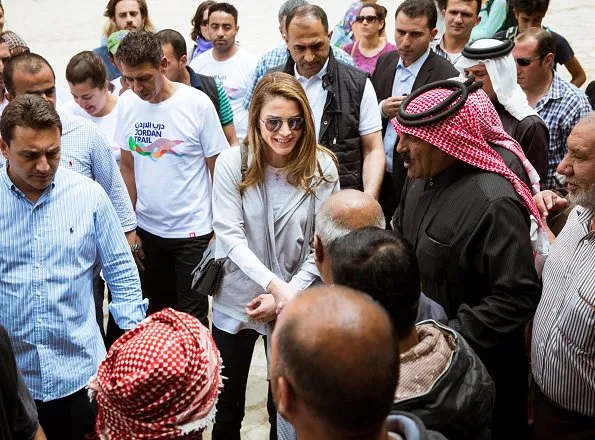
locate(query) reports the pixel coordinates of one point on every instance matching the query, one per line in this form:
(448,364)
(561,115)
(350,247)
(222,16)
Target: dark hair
(227,8)
(176,39)
(30,62)
(140,47)
(28,111)
(351,385)
(477,4)
(200,11)
(87,66)
(545,41)
(382,264)
(379,10)
(310,11)
(531,6)
(419,8)
(110,13)
(288,6)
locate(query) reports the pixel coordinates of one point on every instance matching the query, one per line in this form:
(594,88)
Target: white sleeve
(248,263)
(370,120)
(212,138)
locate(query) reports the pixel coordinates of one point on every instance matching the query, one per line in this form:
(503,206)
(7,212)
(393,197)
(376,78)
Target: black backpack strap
(244,153)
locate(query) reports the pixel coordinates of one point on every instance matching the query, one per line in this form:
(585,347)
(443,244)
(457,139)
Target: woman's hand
(282,292)
(262,308)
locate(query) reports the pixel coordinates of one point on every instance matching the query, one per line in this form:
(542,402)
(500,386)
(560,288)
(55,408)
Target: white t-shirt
(170,142)
(235,74)
(107,124)
(370,119)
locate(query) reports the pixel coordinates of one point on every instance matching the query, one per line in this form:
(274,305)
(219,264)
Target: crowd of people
(410,227)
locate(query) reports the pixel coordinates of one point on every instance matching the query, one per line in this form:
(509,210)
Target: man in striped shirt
(54,225)
(563,346)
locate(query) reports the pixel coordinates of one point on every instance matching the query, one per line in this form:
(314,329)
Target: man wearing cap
(491,61)
(397,74)
(468,218)
(113,42)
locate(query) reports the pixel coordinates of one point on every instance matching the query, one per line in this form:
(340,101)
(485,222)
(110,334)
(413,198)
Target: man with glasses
(559,103)
(170,137)
(491,62)
(342,98)
(227,61)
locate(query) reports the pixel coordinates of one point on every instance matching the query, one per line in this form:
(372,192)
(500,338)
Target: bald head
(334,349)
(346,211)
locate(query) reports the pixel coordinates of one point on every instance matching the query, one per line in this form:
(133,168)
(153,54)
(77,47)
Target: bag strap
(244,153)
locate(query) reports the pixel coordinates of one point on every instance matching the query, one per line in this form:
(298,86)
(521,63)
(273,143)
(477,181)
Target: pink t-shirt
(367,64)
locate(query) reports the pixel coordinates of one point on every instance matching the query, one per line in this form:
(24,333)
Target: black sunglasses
(368,18)
(524,62)
(273,125)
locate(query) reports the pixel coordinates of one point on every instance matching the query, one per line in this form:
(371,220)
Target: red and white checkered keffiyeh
(160,380)
(460,135)
(493,131)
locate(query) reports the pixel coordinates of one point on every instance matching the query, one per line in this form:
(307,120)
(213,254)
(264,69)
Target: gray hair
(330,227)
(288,7)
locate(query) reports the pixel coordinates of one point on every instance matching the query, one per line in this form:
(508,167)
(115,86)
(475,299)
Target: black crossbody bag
(207,274)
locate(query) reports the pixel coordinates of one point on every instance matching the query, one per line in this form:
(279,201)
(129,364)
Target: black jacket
(207,85)
(339,127)
(461,402)
(435,68)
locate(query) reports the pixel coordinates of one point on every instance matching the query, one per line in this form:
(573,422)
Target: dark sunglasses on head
(368,18)
(524,62)
(273,125)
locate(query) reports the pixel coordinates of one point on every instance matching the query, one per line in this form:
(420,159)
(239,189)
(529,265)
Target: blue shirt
(402,85)
(47,252)
(277,57)
(561,108)
(86,150)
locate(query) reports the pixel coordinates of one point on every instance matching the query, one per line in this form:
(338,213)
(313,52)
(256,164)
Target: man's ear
(549,60)
(285,398)
(9,96)
(4,148)
(433,34)
(184,60)
(163,65)
(318,251)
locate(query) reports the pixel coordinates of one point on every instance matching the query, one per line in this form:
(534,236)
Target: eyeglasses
(524,62)
(273,125)
(368,18)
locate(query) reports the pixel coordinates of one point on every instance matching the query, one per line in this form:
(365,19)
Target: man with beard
(228,62)
(491,62)
(467,216)
(563,343)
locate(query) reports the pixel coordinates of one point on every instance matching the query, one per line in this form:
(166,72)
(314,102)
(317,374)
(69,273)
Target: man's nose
(564,167)
(309,57)
(42,164)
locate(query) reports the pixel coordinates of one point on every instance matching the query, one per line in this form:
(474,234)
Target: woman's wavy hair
(303,167)
(198,18)
(110,13)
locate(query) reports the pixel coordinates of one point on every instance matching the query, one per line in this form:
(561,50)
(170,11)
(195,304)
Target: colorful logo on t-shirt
(156,149)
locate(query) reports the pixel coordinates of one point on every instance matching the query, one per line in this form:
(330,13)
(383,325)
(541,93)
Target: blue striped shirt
(47,252)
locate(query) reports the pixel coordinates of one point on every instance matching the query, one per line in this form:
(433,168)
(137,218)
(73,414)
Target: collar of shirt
(318,76)
(585,218)
(556,91)
(194,78)
(7,181)
(449,175)
(415,67)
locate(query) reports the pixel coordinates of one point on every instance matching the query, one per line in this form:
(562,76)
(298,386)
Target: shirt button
(40,321)
(586,242)
(37,265)
(325,122)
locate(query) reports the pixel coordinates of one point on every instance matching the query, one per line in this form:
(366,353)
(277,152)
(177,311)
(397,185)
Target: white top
(3,105)
(279,191)
(370,119)
(107,124)
(169,142)
(235,75)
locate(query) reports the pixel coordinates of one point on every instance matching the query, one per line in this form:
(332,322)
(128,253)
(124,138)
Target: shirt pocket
(577,322)
(433,256)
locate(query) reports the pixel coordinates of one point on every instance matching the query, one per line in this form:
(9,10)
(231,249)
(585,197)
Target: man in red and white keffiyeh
(160,380)
(468,217)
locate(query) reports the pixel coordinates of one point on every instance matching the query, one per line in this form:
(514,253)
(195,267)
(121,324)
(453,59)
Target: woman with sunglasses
(200,31)
(370,46)
(263,220)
